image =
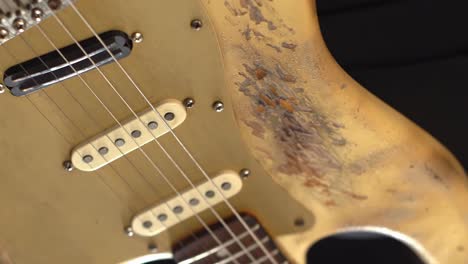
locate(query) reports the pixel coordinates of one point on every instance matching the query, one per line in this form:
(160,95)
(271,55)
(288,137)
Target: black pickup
(51,68)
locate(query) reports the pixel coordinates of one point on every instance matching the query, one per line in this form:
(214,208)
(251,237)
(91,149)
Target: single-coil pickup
(121,140)
(173,211)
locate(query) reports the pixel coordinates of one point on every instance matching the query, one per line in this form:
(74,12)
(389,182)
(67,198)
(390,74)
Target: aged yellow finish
(320,147)
(123,131)
(350,159)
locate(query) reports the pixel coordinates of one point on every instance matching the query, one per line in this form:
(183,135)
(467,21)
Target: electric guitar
(208,131)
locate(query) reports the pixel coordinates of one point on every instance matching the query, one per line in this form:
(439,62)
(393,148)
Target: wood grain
(202,242)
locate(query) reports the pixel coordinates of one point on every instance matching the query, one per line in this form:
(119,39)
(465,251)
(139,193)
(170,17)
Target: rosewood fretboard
(202,248)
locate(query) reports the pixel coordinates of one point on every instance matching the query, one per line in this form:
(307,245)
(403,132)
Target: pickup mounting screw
(19,24)
(153,248)
(189,102)
(137,37)
(68,165)
(129,231)
(3,32)
(244,173)
(36,14)
(196,24)
(2,88)
(218,106)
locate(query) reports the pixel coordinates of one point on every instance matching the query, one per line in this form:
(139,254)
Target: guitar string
(67,139)
(71,95)
(82,134)
(44,92)
(244,224)
(215,251)
(95,122)
(169,128)
(142,151)
(70,143)
(224,244)
(54,74)
(166,124)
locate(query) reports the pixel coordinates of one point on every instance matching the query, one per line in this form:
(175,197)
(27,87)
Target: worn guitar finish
(325,155)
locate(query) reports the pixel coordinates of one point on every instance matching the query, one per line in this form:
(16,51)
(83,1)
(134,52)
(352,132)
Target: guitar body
(325,156)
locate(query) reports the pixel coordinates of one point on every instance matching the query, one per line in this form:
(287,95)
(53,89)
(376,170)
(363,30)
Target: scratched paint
(306,137)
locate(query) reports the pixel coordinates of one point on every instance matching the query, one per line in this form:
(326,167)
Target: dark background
(413,55)
(410,53)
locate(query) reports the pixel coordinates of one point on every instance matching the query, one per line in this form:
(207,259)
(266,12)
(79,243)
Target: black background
(410,53)
(413,55)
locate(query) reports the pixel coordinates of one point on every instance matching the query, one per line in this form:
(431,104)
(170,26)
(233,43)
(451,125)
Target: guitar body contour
(325,155)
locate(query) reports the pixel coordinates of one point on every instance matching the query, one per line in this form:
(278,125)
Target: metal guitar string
(133,165)
(94,120)
(156,166)
(130,109)
(55,103)
(82,134)
(68,141)
(45,93)
(169,128)
(155,139)
(65,88)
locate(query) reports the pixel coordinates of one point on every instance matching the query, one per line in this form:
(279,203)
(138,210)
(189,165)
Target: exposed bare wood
(320,148)
(337,149)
